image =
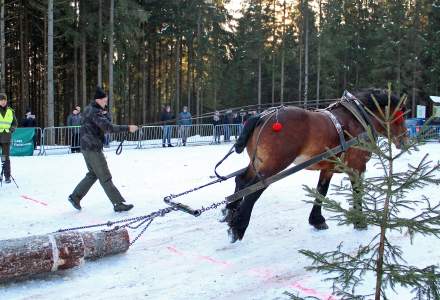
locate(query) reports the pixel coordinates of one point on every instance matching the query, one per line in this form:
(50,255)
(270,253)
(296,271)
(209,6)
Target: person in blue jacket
(185,123)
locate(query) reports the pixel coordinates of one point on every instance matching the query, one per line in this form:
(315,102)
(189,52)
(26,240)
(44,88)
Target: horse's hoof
(233,237)
(322,226)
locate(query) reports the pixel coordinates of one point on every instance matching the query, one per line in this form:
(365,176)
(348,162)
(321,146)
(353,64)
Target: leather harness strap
(358,111)
(338,127)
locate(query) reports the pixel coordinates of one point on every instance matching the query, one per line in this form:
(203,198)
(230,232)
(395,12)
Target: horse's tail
(245,134)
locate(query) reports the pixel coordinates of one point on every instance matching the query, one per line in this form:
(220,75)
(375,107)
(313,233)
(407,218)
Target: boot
(169,145)
(122,207)
(75,203)
(7,170)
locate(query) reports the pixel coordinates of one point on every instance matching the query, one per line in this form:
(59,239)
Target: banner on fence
(23,142)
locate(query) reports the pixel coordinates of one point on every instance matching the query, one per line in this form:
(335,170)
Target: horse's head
(396,114)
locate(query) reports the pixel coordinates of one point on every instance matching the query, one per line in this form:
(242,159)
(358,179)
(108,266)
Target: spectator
(29,119)
(237,125)
(30,122)
(216,121)
(8,123)
(227,121)
(185,123)
(74,121)
(94,123)
(166,116)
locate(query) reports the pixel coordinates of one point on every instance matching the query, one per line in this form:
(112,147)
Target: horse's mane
(381,96)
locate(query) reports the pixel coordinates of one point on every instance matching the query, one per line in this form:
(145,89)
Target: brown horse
(305,134)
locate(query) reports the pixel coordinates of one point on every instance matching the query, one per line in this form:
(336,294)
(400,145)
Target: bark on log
(21,258)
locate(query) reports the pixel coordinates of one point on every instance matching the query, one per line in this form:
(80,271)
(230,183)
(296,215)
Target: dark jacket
(166,117)
(74,120)
(216,120)
(95,121)
(5,137)
(28,122)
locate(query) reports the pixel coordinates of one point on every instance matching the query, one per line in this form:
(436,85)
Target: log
(25,257)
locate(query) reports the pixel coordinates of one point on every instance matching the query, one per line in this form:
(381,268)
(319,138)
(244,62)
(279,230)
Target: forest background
(148,53)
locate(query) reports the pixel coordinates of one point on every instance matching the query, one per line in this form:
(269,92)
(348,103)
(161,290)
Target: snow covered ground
(180,256)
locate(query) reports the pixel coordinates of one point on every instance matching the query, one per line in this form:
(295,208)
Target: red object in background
(398,117)
(277,126)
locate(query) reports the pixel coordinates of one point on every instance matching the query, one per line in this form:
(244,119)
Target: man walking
(95,122)
(8,123)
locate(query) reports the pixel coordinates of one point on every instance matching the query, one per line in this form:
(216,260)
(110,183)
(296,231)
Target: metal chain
(212,206)
(160,213)
(173,196)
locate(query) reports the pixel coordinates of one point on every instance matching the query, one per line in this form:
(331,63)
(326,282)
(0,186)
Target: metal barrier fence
(131,139)
(227,132)
(196,134)
(38,140)
(66,139)
(152,136)
(432,133)
(61,139)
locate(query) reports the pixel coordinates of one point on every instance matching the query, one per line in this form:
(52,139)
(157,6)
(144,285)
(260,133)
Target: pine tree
(388,207)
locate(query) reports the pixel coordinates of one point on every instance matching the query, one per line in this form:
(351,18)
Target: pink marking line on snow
(174,250)
(264,274)
(34,200)
(214,261)
(200,257)
(311,292)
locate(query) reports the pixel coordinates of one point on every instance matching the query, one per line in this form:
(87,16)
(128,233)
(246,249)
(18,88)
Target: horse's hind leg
(316,219)
(241,215)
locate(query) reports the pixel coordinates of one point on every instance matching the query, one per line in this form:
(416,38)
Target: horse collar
(353,105)
(338,127)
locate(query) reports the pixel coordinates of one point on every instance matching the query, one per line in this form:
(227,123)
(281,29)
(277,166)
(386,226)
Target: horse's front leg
(229,210)
(316,219)
(359,220)
(241,215)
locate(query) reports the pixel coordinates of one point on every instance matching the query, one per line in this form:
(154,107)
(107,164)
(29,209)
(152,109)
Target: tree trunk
(24,55)
(25,257)
(300,46)
(273,52)
(110,55)
(259,82)
(99,43)
(50,82)
(2,46)
(177,74)
(83,53)
(318,67)
(75,58)
(306,53)
(283,53)
(145,79)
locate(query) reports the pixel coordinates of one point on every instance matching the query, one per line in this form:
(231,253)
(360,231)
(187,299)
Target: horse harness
(353,105)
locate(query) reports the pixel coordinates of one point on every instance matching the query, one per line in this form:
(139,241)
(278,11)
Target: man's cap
(3,96)
(99,94)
